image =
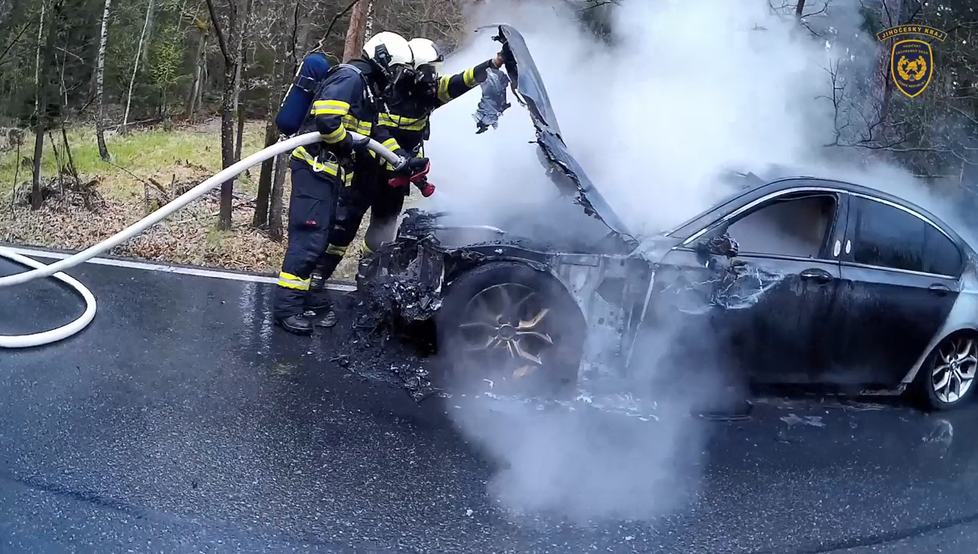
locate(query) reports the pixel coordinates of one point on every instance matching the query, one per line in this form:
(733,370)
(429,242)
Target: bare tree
(242,50)
(200,61)
(43,107)
(276,209)
(40,91)
(228,43)
(103,150)
(135,65)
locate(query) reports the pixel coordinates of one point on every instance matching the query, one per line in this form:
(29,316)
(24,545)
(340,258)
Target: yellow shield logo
(912,66)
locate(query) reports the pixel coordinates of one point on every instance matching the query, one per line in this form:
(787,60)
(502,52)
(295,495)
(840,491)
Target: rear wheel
(511,330)
(948,375)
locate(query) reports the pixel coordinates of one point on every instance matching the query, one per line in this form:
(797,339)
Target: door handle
(939,289)
(817,275)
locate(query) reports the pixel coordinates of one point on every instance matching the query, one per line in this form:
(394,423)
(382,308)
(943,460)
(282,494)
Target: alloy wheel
(507,327)
(954,369)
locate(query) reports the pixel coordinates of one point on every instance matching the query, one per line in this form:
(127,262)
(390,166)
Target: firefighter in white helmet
(349,98)
(414,96)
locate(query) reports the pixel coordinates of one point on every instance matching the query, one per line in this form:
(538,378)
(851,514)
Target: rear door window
(885,236)
(941,255)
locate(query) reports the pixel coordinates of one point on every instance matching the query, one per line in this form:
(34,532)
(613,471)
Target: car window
(941,256)
(885,236)
(792,225)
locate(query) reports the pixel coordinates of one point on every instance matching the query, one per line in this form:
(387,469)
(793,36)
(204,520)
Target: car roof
(753,191)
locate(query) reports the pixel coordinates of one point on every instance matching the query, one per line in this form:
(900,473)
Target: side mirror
(719,243)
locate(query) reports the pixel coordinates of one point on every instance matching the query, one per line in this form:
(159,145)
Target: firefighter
(414,98)
(348,99)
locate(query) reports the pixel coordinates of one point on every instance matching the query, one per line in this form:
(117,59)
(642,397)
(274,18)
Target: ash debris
(400,281)
(378,349)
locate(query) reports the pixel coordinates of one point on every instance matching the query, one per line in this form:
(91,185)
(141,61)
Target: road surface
(181,421)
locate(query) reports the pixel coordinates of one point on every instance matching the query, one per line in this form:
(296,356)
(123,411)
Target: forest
(111,108)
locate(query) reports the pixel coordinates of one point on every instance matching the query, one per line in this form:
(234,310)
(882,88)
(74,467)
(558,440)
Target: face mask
(427,81)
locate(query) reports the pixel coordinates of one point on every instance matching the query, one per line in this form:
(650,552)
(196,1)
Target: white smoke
(691,88)
(688,90)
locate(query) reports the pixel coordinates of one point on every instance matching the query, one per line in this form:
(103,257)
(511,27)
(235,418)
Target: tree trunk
(40,89)
(37,61)
(354,33)
(36,197)
(800,9)
(368,27)
(190,109)
(260,218)
(890,16)
(45,58)
(275,206)
(230,49)
(227,144)
(103,150)
(135,65)
(242,55)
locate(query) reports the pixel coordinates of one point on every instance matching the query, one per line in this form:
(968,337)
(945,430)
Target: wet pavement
(180,421)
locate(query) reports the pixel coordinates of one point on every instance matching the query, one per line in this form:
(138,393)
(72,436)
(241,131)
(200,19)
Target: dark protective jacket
(407,117)
(343,103)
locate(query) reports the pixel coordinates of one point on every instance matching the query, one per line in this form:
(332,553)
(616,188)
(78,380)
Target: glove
(359,146)
(343,149)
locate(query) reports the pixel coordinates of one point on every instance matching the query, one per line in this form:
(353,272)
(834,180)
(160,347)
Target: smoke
(685,91)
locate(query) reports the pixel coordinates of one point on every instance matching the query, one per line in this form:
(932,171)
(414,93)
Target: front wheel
(512,330)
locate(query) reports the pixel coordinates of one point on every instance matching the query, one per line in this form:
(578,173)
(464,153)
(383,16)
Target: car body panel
(774,307)
(563,169)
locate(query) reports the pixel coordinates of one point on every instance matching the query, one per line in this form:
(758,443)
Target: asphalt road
(182,421)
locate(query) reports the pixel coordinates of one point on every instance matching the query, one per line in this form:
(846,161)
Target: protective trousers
(370,189)
(311,209)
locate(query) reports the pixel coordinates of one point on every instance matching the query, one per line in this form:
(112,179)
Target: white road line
(196,272)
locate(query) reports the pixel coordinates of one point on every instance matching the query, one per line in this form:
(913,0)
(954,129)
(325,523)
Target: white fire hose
(41,270)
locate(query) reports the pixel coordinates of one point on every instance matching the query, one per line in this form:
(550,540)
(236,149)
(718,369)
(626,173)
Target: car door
(899,281)
(770,302)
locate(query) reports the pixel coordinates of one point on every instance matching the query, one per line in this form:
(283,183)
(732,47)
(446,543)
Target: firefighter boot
(296,324)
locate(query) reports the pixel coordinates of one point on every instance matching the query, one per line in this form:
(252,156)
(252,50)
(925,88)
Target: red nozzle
(426,188)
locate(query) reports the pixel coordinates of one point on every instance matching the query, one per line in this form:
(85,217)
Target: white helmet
(426,53)
(388,49)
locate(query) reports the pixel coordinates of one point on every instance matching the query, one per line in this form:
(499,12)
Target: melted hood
(562,168)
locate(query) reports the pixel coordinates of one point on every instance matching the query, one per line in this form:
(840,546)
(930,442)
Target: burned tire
(508,328)
(946,380)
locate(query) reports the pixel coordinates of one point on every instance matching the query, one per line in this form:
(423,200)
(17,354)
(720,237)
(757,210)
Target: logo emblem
(911,60)
(912,66)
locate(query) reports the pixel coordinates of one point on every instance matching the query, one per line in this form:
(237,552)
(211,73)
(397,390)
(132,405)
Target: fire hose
(55,270)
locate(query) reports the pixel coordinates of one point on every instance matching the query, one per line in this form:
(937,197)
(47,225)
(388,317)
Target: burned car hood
(562,168)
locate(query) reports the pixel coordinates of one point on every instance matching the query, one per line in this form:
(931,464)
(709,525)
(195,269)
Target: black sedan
(797,281)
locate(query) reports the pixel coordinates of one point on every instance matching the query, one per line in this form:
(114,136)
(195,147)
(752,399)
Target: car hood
(562,168)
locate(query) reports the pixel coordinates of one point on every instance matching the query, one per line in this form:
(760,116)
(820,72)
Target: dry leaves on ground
(188,237)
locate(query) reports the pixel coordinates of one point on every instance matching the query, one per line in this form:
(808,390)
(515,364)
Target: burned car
(857,289)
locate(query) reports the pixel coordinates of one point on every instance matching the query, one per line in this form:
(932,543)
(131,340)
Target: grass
(186,155)
(144,153)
